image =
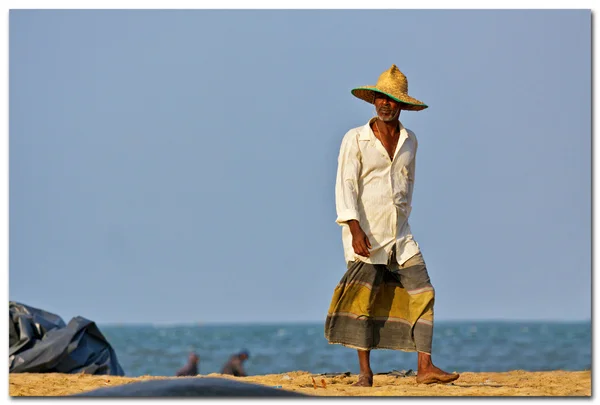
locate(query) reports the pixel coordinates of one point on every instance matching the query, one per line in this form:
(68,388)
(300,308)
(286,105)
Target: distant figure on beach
(385,299)
(191,368)
(234,365)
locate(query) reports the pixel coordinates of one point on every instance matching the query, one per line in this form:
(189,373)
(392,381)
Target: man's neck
(388,128)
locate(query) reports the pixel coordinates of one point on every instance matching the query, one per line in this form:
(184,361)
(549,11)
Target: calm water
(457,346)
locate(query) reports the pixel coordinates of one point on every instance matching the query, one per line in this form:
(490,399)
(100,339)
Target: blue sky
(177,166)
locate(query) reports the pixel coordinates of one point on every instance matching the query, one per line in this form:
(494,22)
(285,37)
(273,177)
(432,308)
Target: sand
(513,383)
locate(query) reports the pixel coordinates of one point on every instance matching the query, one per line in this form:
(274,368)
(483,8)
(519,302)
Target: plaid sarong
(378,306)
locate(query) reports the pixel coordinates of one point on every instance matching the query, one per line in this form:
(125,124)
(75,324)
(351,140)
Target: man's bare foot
(434,375)
(364,381)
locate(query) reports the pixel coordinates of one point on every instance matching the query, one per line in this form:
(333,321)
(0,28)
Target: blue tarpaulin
(41,342)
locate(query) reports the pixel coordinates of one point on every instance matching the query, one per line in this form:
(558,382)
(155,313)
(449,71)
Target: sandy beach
(513,383)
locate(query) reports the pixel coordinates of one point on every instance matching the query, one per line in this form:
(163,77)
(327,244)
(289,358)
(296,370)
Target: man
(234,365)
(385,299)
(191,368)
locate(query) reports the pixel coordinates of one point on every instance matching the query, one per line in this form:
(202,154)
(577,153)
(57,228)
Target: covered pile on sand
(513,383)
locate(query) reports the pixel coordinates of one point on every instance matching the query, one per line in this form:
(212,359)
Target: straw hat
(394,84)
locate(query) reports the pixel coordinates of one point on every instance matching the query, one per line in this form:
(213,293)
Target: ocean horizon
(159,349)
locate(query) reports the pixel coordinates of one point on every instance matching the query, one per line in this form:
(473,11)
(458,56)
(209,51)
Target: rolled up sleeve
(411,174)
(346,185)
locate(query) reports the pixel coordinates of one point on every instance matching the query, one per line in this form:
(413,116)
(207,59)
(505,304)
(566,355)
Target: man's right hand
(360,241)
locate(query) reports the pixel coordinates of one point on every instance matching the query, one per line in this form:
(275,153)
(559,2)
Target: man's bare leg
(429,374)
(365,378)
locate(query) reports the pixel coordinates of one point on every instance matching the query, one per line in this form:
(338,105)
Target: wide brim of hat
(367,93)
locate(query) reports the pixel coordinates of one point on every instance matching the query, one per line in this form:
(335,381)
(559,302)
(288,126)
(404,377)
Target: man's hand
(360,241)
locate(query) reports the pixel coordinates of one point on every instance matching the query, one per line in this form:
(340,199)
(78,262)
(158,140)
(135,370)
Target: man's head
(386,107)
(392,84)
(243,355)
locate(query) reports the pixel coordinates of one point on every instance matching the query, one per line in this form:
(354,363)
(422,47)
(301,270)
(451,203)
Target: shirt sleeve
(411,174)
(346,184)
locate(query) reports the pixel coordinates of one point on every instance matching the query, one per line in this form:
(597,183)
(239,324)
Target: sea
(475,346)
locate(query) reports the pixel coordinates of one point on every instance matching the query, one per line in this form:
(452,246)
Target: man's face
(387,108)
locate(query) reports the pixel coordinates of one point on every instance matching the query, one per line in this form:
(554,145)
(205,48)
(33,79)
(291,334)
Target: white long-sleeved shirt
(377,192)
